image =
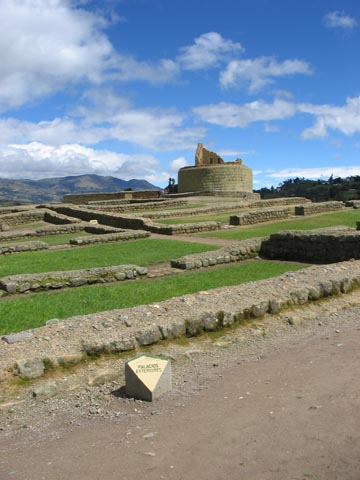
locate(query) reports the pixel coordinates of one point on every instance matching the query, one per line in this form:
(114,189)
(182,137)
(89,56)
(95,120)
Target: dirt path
(284,408)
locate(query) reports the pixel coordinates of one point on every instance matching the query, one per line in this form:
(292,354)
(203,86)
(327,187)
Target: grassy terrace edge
(347,218)
(33,311)
(139,252)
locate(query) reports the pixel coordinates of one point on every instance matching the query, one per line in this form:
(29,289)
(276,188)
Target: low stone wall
(189,212)
(58,218)
(15,209)
(353,203)
(312,246)
(276,202)
(59,342)
(16,284)
(227,207)
(134,223)
(83,198)
(236,253)
(257,216)
(23,247)
(22,217)
(58,229)
(215,193)
(184,228)
(110,237)
(137,206)
(323,207)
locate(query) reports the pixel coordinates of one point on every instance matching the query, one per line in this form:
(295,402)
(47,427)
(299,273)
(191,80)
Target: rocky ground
(274,399)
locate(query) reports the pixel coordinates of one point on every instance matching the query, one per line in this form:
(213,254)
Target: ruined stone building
(211,174)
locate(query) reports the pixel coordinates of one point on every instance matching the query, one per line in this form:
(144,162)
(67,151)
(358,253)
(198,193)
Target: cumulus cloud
(345,119)
(270,128)
(105,116)
(235,153)
(317,172)
(47,44)
(130,69)
(258,72)
(338,19)
(36,160)
(208,50)
(233,115)
(176,164)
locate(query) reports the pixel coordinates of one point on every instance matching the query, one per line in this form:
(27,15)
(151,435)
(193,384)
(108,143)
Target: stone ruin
(212,175)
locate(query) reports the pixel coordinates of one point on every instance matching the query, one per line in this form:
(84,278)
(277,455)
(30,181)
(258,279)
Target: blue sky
(128,88)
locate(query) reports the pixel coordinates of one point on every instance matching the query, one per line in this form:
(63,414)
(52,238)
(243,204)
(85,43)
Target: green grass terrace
(347,218)
(22,313)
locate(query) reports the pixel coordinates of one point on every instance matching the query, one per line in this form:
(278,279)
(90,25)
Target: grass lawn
(33,311)
(348,218)
(139,252)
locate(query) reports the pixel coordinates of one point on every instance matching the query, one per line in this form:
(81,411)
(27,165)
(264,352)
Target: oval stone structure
(147,377)
(212,174)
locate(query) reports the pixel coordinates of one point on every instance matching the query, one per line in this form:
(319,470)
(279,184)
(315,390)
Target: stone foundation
(261,215)
(323,207)
(16,284)
(313,246)
(23,247)
(236,253)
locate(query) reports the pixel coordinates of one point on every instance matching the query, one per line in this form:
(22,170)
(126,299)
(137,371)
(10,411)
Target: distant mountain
(53,189)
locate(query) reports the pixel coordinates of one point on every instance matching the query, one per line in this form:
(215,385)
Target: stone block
(147,377)
(148,336)
(30,369)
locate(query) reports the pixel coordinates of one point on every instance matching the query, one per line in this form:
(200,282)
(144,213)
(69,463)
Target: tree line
(341,189)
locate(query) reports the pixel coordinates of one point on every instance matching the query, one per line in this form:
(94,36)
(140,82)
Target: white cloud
(208,50)
(130,69)
(270,128)
(176,164)
(317,172)
(345,119)
(104,116)
(232,115)
(338,19)
(46,44)
(260,72)
(38,160)
(235,153)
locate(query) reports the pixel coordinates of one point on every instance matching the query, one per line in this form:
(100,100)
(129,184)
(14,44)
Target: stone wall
(23,247)
(133,223)
(353,203)
(190,315)
(189,212)
(59,219)
(236,253)
(16,284)
(277,202)
(15,209)
(83,198)
(323,207)
(136,207)
(218,193)
(225,207)
(257,216)
(313,246)
(110,237)
(22,217)
(227,177)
